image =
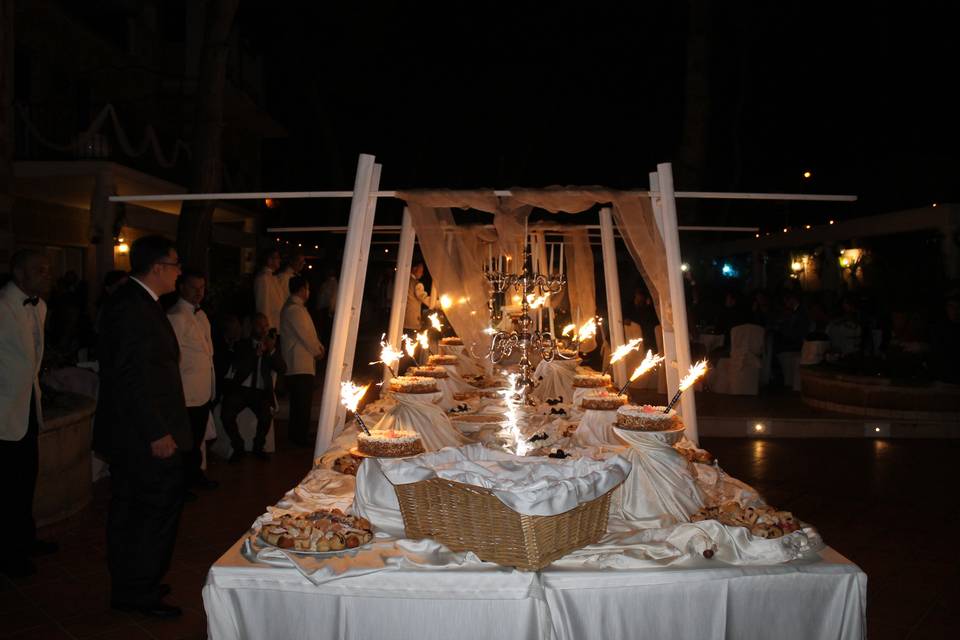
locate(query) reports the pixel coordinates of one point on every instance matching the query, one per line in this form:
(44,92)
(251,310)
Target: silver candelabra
(524,337)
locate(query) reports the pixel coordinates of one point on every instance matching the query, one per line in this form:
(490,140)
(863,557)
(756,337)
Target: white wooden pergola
(364,196)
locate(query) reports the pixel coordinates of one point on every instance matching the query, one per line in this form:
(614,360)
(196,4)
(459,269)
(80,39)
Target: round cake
(442,359)
(645,418)
(591,381)
(413,384)
(390,444)
(603,401)
(427,371)
(452,341)
(569,354)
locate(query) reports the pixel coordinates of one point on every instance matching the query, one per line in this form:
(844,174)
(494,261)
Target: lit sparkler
(388,355)
(435,321)
(445,302)
(621,352)
(513,396)
(350,395)
(424,341)
(568,329)
(650,361)
(696,372)
(409,345)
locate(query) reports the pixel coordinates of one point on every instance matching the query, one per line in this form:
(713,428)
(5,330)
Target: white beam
(355,240)
(612,279)
(401,283)
(669,345)
(671,242)
(355,309)
(393,229)
(284,195)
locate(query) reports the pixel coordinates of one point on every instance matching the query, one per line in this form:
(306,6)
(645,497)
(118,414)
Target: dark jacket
(141,394)
(245,359)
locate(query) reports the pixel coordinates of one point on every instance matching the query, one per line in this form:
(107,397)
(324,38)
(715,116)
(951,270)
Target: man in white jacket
(301,349)
(267,294)
(295,264)
(192,327)
(22,314)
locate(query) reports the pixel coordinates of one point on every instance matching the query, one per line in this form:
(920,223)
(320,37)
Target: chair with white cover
(813,351)
(739,373)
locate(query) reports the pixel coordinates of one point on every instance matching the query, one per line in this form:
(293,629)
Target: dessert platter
(388,443)
(603,401)
(438,359)
(428,371)
(451,341)
(646,418)
(591,380)
(413,384)
(321,532)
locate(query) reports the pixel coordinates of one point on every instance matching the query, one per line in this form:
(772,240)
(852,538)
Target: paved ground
(890,506)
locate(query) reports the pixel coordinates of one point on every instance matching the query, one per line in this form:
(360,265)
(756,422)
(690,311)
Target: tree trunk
(6,132)
(195,226)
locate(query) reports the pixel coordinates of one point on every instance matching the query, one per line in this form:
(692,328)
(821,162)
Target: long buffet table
(825,598)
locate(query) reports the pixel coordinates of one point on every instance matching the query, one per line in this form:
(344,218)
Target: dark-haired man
(301,349)
(143,429)
(416,296)
(22,314)
(192,327)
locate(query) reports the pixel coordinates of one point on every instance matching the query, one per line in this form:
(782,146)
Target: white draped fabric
(555,379)
(419,412)
(596,429)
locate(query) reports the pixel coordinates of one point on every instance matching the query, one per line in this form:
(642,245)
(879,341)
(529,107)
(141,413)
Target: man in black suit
(249,385)
(142,428)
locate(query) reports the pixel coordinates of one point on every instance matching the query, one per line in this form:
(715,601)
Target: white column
(358,288)
(401,282)
(671,242)
(359,207)
(669,343)
(612,279)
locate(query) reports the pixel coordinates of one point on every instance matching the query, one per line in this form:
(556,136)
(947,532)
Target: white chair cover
(740,373)
(419,412)
(813,351)
(246,425)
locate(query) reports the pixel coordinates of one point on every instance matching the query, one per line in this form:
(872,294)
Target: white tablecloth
(821,599)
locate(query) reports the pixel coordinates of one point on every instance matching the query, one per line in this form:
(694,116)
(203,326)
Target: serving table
(825,598)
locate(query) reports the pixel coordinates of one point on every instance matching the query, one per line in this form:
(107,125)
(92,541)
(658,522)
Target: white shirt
(196,352)
(21,353)
(416,295)
(268,296)
(149,290)
(298,338)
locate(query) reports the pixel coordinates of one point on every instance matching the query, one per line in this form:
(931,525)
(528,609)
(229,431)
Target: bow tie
(31,300)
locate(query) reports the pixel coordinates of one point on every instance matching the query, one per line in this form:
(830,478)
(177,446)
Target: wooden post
(361,268)
(671,243)
(612,279)
(359,208)
(401,282)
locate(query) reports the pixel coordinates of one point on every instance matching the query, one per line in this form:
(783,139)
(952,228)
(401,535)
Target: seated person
(846,333)
(249,384)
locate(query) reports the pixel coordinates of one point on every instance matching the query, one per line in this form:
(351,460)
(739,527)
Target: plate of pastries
(322,532)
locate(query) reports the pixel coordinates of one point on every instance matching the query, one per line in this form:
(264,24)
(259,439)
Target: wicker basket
(470,518)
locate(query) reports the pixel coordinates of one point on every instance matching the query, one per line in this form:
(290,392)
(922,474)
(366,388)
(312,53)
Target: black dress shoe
(236,456)
(44,548)
(205,483)
(260,454)
(158,609)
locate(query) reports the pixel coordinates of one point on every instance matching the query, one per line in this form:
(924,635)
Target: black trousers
(145,506)
(237,399)
(300,392)
(19,463)
(198,428)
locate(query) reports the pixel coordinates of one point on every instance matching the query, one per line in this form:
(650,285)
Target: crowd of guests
(163,368)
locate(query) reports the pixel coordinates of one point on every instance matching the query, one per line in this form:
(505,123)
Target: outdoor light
(785,229)
(797,265)
(316,246)
(759,427)
(386,250)
(807,175)
(806,226)
(270,203)
(309,266)
(123,247)
(831,222)
(728,271)
(684,267)
(299,244)
(934,204)
(757,235)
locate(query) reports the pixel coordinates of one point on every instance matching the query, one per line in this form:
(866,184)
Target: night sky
(504,95)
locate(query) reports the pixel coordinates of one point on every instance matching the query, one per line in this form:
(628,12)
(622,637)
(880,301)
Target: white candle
(550,263)
(561,257)
(489,257)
